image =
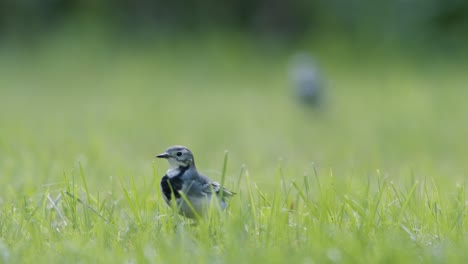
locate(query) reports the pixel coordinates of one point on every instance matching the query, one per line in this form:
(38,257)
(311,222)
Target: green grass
(377,176)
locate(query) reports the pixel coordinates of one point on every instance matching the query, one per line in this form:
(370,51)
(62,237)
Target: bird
(306,78)
(183,178)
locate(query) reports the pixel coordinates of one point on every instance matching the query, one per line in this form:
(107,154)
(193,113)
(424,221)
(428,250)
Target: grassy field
(375,176)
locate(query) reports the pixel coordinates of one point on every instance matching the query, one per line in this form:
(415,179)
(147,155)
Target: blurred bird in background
(306,79)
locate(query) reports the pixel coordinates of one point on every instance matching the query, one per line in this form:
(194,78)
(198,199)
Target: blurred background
(342,86)
(436,23)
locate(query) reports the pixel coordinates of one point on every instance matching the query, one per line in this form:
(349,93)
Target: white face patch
(174,166)
(173,163)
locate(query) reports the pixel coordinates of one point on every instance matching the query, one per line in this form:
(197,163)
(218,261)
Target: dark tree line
(293,17)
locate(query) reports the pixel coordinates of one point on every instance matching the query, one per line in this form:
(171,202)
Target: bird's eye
(179,154)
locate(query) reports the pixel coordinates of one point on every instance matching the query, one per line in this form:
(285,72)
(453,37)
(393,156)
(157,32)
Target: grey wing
(211,187)
(219,189)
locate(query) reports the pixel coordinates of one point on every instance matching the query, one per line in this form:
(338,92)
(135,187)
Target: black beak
(163,156)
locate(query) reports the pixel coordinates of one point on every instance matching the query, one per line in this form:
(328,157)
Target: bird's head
(178,156)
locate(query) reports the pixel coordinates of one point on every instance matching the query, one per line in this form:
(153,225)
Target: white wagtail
(306,78)
(182,176)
